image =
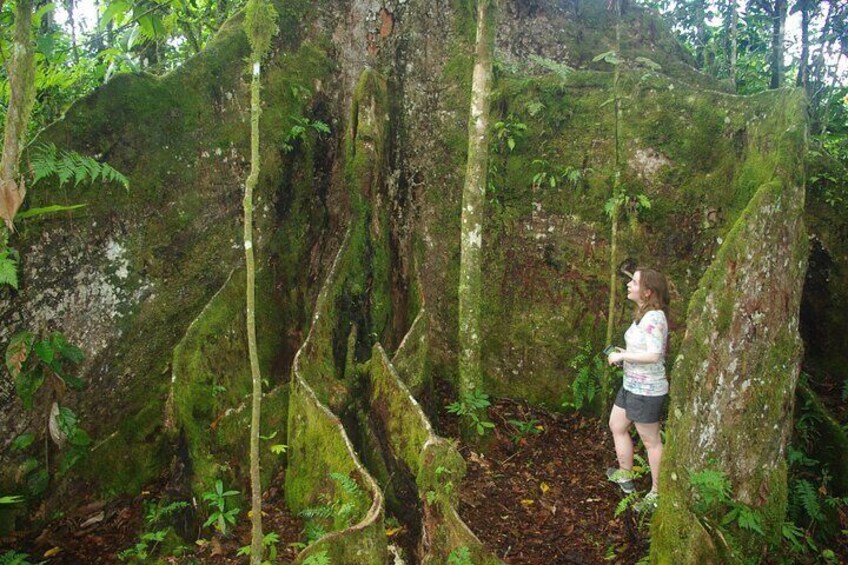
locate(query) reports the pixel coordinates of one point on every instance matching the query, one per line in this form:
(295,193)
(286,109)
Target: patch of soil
(542,496)
(97,532)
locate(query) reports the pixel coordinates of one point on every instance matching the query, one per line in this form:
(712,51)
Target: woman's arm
(633,357)
(656,331)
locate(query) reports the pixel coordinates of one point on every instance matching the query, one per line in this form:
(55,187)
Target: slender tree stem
(734,40)
(616,197)
(252,180)
(21,72)
(473,201)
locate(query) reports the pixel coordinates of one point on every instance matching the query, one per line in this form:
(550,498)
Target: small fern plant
(336,512)
(49,161)
(586,384)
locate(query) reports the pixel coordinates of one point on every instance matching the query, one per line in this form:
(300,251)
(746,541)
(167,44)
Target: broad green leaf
(17,352)
(645,62)
(52,209)
(44,351)
(70,352)
(115,11)
(74,382)
(79,437)
(603,56)
(23,441)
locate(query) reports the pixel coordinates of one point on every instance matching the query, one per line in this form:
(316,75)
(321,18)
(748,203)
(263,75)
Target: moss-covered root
(443,532)
(734,380)
(414,449)
(319,445)
(411,360)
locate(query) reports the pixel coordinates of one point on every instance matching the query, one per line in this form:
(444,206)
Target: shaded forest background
(745,47)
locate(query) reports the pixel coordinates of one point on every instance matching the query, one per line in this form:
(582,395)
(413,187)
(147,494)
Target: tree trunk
(21,72)
(69,6)
(733,382)
(734,40)
(606,391)
(260,27)
(803,64)
(700,33)
(473,201)
(778,24)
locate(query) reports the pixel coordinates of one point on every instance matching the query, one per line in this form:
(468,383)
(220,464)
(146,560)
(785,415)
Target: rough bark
(803,63)
(21,72)
(733,382)
(473,201)
(701,33)
(778,16)
(734,41)
(616,206)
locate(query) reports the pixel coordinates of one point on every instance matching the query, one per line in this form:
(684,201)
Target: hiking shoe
(621,478)
(649,503)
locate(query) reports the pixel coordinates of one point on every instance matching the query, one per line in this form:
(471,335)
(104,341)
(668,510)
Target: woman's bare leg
(650,434)
(620,428)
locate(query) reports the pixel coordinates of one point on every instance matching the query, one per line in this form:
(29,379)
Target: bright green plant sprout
(460,556)
(300,128)
(318,558)
(269,543)
(13,557)
(587,381)
(471,408)
(220,515)
(524,428)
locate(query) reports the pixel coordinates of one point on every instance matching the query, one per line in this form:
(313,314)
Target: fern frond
(347,484)
(316,512)
(47,161)
(113,175)
(65,169)
(809,499)
(625,503)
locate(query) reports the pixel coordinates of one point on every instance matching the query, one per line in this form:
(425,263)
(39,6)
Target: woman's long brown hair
(659,298)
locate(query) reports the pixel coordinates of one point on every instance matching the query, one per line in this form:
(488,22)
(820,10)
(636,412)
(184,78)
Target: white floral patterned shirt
(650,335)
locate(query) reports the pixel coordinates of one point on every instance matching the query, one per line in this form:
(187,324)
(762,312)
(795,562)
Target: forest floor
(535,498)
(540,493)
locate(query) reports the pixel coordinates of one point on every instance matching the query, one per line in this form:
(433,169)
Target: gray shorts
(639,408)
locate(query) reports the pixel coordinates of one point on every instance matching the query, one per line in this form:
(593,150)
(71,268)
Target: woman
(641,398)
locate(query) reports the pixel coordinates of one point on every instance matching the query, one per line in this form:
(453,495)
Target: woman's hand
(616,356)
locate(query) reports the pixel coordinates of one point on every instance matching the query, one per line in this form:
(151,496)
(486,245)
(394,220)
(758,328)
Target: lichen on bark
(474,200)
(734,379)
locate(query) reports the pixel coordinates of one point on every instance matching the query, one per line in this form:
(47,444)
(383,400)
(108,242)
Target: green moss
(732,369)
(211,372)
